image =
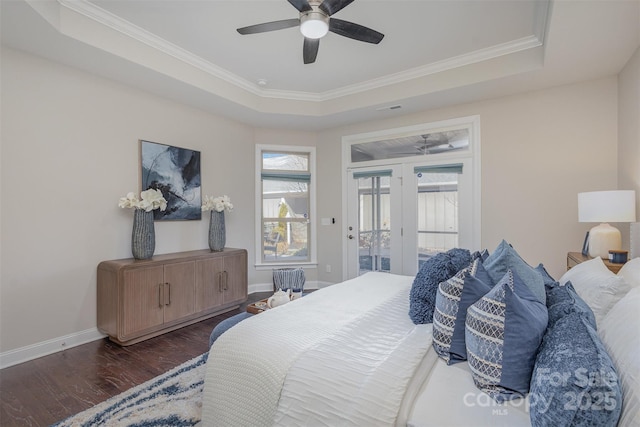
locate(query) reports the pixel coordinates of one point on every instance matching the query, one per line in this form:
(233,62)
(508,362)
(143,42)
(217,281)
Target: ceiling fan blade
(310,50)
(269,26)
(332,6)
(301,5)
(354,31)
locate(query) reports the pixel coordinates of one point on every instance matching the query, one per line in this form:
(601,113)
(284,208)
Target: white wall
(629,134)
(70,150)
(539,150)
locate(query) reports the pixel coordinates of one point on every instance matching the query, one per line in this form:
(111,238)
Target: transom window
(410,193)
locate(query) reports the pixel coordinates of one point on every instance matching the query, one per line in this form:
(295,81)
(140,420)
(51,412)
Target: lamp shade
(607,206)
(603,207)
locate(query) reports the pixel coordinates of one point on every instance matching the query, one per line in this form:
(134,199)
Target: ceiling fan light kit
(315,22)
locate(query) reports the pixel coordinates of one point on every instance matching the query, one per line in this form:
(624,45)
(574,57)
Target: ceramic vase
(143,236)
(217,232)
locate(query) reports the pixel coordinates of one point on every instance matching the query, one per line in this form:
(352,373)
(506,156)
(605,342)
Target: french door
(400,215)
(374,220)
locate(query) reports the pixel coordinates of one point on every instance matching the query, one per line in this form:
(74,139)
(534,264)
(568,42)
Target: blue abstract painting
(175,172)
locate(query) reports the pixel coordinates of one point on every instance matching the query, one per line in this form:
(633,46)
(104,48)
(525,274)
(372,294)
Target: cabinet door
(179,290)
(209,292)
(141,300)
(235,267)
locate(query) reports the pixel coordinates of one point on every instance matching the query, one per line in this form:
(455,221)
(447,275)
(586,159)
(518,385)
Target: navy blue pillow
(563,300)
(454,296)
(574,381)
(442,266)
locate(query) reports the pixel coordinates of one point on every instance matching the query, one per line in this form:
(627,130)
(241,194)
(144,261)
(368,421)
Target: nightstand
(575,258)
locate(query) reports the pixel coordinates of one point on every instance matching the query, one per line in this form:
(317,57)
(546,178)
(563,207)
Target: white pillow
(631,272)
(620,333)
(597,286)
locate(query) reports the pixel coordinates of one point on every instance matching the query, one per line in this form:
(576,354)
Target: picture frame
(585,245)
(175,171)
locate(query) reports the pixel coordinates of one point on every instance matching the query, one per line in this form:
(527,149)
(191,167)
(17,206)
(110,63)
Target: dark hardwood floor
(49,389)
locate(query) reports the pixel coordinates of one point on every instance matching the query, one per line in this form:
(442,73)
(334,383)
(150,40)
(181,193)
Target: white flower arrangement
(149,200)
(218,204)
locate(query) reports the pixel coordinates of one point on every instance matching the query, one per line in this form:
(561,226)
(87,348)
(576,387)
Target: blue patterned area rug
(171,399)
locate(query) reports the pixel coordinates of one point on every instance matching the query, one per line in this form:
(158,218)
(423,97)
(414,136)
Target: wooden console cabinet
(140,299)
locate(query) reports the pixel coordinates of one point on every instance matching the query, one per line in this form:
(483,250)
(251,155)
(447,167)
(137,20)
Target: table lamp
(604,207)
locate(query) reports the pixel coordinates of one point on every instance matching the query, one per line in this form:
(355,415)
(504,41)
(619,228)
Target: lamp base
(603,238)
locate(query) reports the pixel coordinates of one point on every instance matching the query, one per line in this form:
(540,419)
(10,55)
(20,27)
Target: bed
(350,355)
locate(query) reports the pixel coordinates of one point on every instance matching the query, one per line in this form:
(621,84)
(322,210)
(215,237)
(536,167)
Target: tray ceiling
(434,52)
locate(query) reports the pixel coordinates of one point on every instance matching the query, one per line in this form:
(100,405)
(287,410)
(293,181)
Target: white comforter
(338,357)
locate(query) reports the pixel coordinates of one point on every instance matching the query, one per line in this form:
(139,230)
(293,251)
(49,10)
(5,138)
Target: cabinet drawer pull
(226,280)
(169,286)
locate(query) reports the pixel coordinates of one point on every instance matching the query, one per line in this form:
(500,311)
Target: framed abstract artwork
(175,172)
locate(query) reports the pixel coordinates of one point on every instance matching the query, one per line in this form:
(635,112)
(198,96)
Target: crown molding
(475,57)
(106,18)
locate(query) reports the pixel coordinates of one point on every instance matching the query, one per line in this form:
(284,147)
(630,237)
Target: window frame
(470,237)
(260,263)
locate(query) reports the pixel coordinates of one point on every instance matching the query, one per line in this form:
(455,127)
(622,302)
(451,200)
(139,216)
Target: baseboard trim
(34,351)
(55,345)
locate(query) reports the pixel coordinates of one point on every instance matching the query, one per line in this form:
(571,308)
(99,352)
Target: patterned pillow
(562,300)
(506,258)
(454,297)
(574,381)
(442,266)
(546,277)
(483,255)
(503,332)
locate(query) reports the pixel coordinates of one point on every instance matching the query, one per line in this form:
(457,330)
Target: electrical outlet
(328,268)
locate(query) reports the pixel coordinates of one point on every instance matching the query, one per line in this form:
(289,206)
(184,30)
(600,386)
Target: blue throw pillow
(452,300)
(482,255)
(506,258)
(574,381)
(503,332)
(563,300)
(546,277)
(442,266)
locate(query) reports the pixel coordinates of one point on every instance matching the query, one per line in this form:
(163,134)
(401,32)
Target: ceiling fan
(428,145)
(315,22)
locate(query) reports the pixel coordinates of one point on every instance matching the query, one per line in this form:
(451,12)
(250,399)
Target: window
(286,192)
(428,203)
